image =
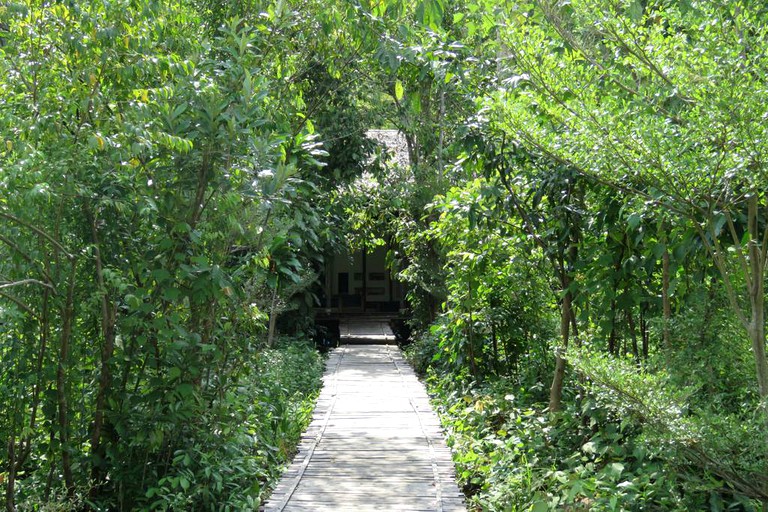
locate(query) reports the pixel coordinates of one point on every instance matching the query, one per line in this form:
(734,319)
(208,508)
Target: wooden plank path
(374,443)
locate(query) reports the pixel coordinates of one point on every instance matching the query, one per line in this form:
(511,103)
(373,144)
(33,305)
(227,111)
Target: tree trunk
(633,334)
(26,442)
(612,348)
(756,326)
(412,145)
(666,302)
(61,380)
(10,484)
(753,269)
(272,318)
(508,359)
(567,322)
(51,466)
(108,314)
(556,391)
(645,336)
(441,139)
(757,336)
(495,341)
(202,186)
(471,338)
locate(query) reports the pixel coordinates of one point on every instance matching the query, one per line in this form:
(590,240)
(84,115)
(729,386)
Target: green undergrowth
(236,451)
(512,455)
(226,455)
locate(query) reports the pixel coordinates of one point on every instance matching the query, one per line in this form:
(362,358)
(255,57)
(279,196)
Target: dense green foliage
(155,213)
(608,207)
(583,230)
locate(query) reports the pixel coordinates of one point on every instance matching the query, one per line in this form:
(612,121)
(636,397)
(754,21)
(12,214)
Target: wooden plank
(374,443)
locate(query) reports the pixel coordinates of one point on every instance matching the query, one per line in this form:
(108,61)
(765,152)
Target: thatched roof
(395,143)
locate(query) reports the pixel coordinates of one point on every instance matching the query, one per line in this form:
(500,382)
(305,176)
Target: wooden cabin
(360,282)
(359,297)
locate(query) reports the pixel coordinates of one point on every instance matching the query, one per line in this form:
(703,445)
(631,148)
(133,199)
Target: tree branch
(39,231)
(18,302)
(27,281)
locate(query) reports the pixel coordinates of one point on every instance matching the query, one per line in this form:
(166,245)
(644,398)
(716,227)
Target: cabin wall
(361,282)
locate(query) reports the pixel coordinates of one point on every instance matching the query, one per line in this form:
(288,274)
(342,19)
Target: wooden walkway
(374,443)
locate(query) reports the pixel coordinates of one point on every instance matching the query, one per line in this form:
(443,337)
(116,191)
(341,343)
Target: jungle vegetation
(583,230)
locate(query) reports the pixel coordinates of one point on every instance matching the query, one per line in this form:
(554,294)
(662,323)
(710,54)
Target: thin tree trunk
(508,359)
(10,484)
(753,265)
(756,326)
(757,336)
(202,186)
(567,325)
(495,341)
(612,348)
(61,380)
(441,138)
(108,313)
(566,312)
(272,318)
(644,334)
(665,299)
(471,338)
(633,334)
(556,390)
(51,467)
(412,146)
(26,442)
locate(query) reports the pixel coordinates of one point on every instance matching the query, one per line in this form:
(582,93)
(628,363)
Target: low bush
(235,454)
(512,455)
(226,455)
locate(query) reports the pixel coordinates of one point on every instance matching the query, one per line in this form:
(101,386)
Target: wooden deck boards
(374,443)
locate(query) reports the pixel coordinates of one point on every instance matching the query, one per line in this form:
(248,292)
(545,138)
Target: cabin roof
(395,143)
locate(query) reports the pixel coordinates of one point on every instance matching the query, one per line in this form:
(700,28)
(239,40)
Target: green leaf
(184,390)
(615,469)
(399,90)
(635,10)
(161,275)
(171,294)
(132,301)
